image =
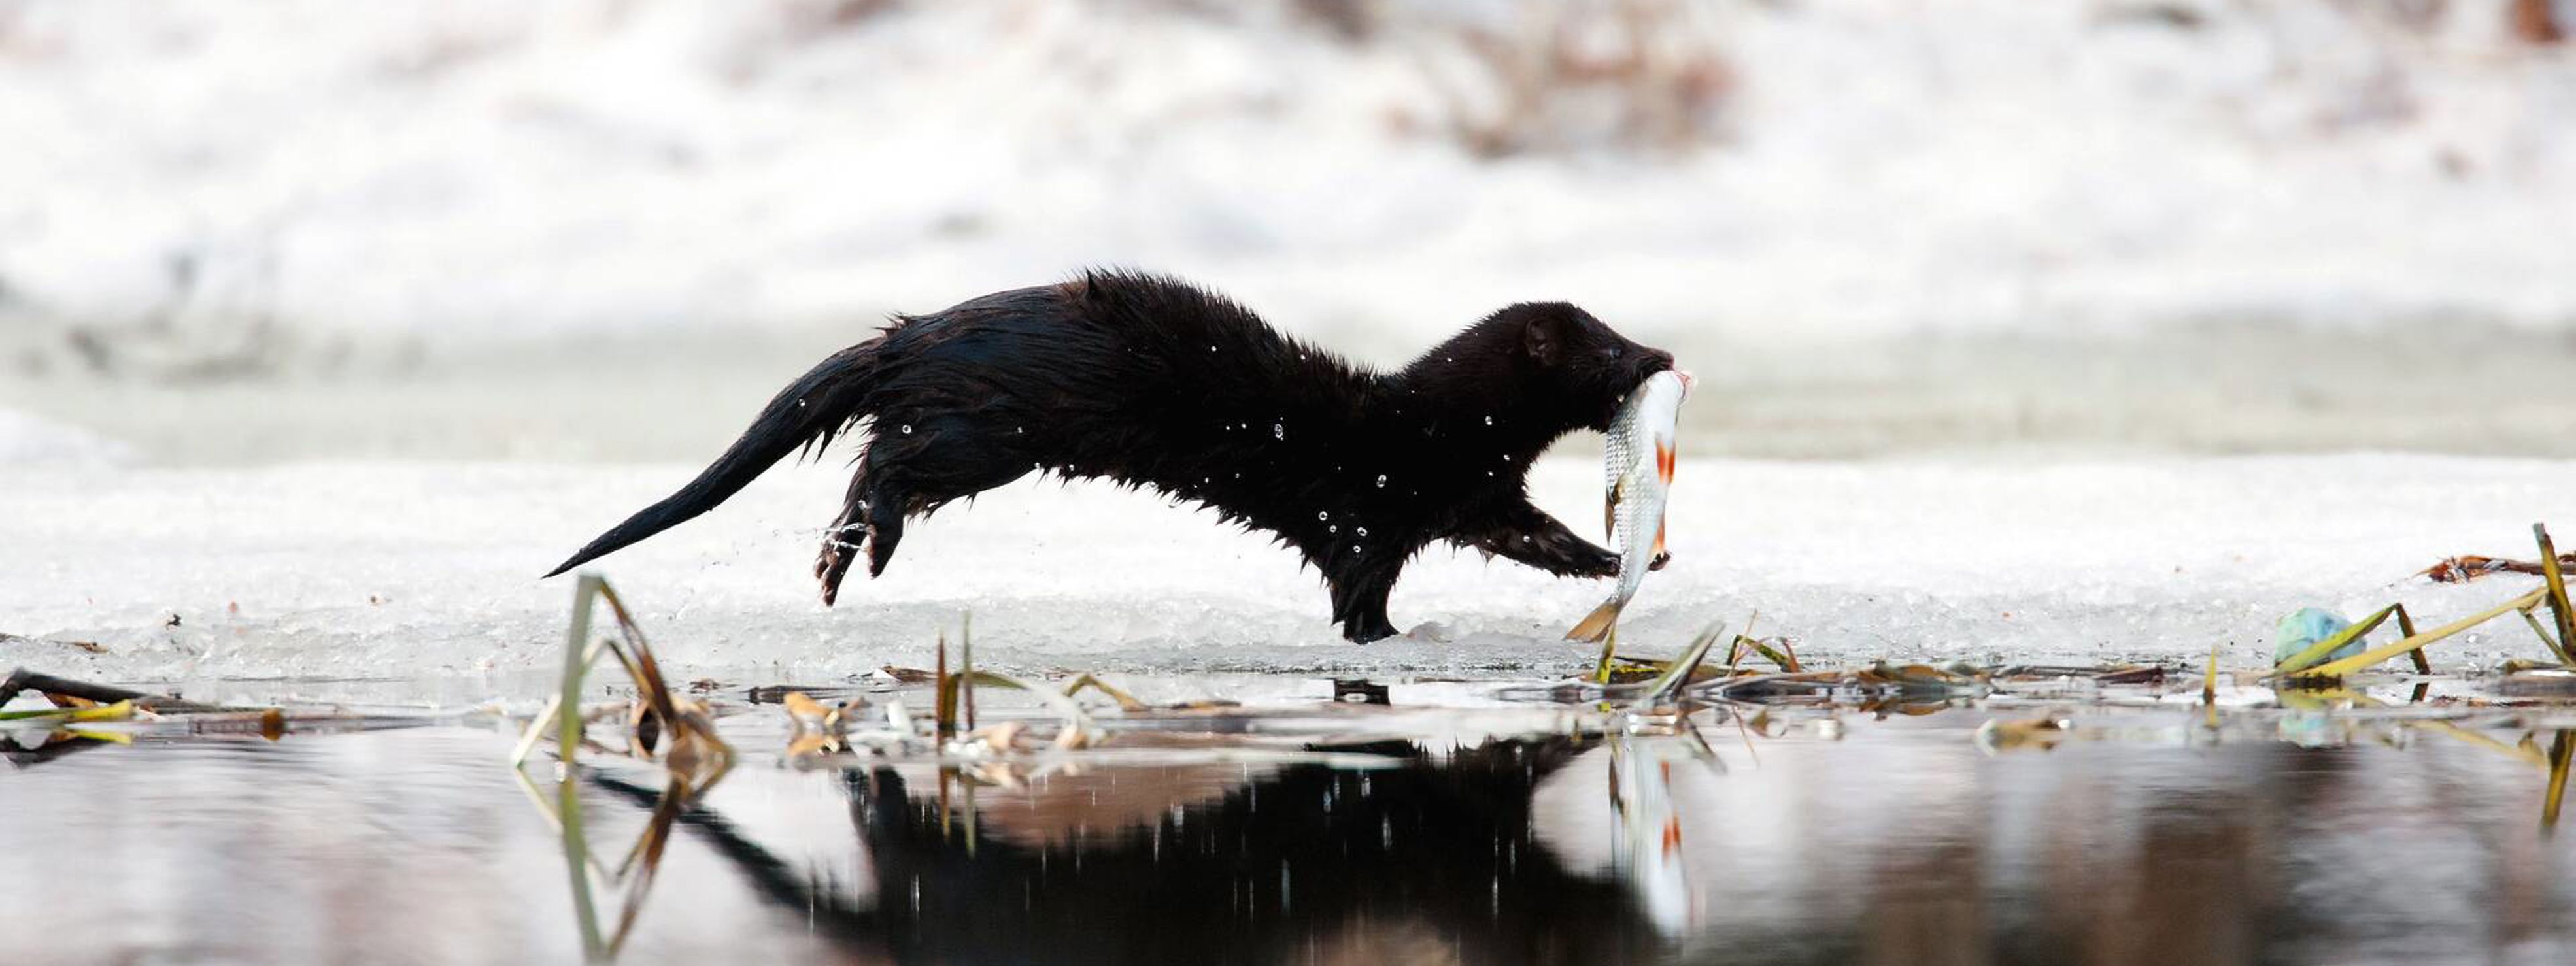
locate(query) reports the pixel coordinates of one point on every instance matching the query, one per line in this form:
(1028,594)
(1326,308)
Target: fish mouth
(1689,382)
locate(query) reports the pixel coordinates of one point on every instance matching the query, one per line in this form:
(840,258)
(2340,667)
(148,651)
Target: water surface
(1741,835)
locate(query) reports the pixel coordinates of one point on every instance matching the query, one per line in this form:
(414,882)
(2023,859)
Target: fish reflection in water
(1907,847)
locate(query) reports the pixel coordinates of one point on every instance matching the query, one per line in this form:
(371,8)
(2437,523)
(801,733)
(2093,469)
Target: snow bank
(27,441)
(393,570)
(454,170)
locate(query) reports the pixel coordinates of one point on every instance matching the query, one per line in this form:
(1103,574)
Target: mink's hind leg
(911,468)
(885,529)
(841,543)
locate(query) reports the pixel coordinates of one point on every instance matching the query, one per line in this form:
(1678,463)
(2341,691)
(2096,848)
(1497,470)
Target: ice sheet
(381,570)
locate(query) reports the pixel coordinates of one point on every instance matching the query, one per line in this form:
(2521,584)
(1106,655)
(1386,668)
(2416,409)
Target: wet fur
(1154,383)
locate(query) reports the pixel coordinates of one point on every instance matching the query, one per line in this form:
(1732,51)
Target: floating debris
(90,647)
(66,692)
(119,711)
(2468,567)
(2041,733)
(2547,683)
(1879,684)
(1360,692)
(2309,635)
(75,709)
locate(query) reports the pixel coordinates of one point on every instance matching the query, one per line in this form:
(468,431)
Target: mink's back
(1138,378)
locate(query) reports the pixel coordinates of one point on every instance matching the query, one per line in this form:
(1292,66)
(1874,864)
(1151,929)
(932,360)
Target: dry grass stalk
(1678,673)
(2375,655)
(2317,652)
(2559,605)
(680,730)
(2561,752)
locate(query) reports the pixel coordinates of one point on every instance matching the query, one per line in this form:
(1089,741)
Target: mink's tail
(1596,625)
(809,412)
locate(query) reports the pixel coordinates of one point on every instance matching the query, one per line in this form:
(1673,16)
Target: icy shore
(393,570)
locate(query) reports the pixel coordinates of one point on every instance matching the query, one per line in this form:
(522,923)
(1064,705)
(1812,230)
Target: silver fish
(1637,470)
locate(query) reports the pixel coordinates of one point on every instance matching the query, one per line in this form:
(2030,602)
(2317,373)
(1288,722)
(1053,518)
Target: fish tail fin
(1596,625)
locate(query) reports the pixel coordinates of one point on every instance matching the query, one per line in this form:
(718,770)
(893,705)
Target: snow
(391,570)
(27,440)
(455,171)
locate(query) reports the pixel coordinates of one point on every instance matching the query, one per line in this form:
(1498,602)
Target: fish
(1637,471)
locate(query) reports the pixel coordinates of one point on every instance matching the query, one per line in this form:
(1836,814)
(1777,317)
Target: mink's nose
(1657,360)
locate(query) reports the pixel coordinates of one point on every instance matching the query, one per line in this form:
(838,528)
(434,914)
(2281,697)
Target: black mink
(1152,382)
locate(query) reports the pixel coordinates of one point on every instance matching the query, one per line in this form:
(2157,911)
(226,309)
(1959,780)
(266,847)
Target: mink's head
(1577,362)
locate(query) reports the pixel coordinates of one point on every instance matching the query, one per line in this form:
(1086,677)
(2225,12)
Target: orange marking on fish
(1664,457)
(1659,538)
(1672,834)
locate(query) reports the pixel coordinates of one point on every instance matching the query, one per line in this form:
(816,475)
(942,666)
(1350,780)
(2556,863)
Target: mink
(1151,382)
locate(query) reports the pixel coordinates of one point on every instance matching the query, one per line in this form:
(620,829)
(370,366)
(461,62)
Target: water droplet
(1323,514)
(1489,420)
(907,429)
(1211,348)
(1335,528)
(1381,481)
(1279,430)
(1362,531)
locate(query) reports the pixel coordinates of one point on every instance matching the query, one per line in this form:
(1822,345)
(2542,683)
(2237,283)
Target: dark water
(2136,836)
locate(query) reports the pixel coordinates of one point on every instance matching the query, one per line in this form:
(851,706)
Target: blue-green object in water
(2303,628)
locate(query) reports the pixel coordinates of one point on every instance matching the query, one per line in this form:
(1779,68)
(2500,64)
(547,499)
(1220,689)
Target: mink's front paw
(1598,563)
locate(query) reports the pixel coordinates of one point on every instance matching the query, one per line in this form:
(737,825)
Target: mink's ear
(1543,338)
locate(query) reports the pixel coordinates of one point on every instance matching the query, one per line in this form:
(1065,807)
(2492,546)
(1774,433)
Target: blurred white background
(608,228)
